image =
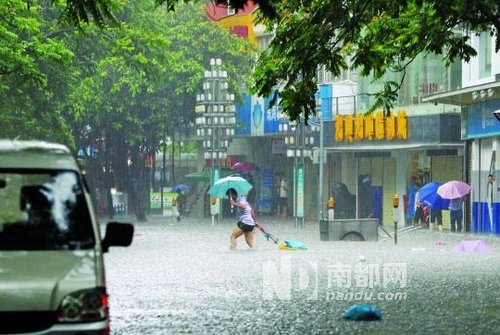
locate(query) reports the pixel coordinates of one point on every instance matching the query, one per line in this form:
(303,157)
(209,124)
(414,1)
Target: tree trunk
(135,189)
(108,180)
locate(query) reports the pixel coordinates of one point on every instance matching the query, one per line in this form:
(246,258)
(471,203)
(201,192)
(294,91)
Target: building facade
(367,159)
(479,102)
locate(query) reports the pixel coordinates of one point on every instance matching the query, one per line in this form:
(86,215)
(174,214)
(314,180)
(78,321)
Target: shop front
(480,131)
(364,174)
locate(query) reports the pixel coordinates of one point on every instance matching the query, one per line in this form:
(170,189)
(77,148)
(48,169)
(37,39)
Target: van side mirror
(117,234)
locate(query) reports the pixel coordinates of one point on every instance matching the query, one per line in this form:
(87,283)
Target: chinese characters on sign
(369,127)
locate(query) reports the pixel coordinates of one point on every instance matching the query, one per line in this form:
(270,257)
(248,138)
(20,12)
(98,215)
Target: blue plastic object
(179,188)
(296,244)
(362,313)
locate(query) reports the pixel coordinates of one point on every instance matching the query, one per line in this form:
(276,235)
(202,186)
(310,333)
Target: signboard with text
(299,175)
(266,191)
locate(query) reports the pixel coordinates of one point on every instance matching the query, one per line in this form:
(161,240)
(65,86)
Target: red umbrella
(244,167)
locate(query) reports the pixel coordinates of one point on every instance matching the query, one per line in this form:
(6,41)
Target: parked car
(52,278)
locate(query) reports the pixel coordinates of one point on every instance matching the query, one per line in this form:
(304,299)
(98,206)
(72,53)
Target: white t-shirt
(246,213)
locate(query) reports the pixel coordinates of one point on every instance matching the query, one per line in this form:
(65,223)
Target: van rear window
(43,210)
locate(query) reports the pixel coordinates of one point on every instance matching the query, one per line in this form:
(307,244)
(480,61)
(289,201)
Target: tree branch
(60,31)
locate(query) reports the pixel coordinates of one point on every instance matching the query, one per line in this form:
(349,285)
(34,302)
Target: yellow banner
(360,127)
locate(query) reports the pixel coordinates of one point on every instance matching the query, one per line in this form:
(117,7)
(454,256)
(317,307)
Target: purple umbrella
(428,195)
(244,167)
(453,189)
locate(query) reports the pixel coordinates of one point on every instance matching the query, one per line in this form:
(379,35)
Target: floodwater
(181,278)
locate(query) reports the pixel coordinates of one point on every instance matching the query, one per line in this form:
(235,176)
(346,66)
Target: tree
(140,86)
(111,92)
(377,36)
(33,71)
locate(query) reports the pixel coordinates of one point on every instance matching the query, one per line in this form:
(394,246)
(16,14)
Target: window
(484,54)
(43,210)
(323,75)
(264,41)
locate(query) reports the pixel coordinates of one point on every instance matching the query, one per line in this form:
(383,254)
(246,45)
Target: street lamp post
(298,146)
(321,157)
(216,116)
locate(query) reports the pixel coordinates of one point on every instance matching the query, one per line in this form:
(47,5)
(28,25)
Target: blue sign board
(256,111)
(266,191)
(480,119)
(299,189)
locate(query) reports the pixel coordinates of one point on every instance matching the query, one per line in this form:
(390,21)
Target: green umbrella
(221,186)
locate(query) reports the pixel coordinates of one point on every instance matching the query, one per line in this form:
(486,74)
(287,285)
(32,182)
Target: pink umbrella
(453,189)
(244,167)
(472,245)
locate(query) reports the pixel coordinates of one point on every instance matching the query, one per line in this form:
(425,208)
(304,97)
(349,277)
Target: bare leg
(237,232)
(249,238)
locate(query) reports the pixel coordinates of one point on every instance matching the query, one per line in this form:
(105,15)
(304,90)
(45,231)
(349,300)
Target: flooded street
(180,278)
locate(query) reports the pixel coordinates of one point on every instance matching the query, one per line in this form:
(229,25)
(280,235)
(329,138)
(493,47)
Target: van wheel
(352,236)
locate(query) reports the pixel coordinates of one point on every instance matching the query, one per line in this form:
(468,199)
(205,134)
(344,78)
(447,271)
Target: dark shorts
(245,227)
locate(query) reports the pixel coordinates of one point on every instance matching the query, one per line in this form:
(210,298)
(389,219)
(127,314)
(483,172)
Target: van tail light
(84,306)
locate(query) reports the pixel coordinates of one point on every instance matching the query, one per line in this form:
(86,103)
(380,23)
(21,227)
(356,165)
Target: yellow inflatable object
(283,246)
(292,245)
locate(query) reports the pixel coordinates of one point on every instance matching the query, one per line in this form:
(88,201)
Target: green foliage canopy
(375,36)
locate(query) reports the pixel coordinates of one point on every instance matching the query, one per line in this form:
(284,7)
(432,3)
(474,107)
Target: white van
(51,253)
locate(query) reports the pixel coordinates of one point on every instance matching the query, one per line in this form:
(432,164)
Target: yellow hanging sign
(402,125)
(390,127)
(339,128)
(359,127)
(351,128)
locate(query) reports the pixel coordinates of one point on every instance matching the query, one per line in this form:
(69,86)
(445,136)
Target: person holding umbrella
(456,213)
(246,222)
(429,196)
(456,191)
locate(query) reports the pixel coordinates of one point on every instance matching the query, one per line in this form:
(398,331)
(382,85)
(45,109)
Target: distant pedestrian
(490,198)
(246,221)
(420,217)
(282,195)
(456,214)
(181,204)
(437,217)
